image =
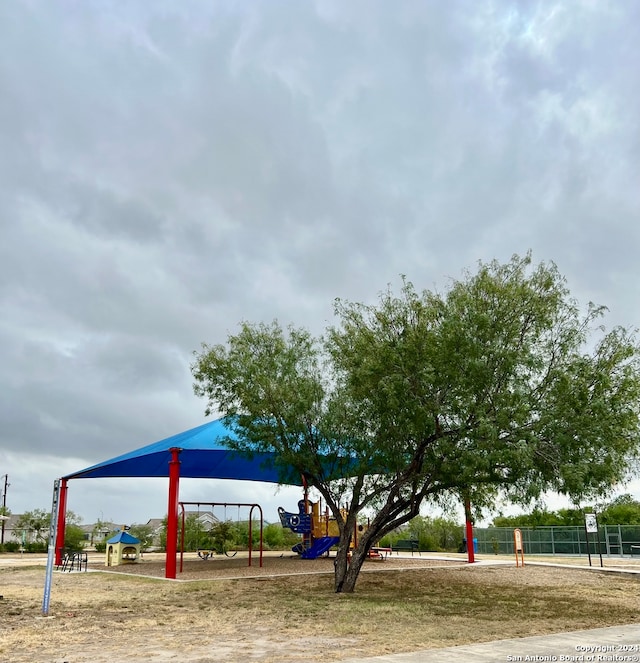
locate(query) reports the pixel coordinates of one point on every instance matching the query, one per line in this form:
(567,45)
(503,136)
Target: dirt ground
(285,611)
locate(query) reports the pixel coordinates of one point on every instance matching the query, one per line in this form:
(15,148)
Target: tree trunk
(341,567)
(348,581)
(348,565)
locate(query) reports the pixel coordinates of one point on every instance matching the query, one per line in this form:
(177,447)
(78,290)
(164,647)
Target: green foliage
(242,534)
(10,547)
(225,536)
(196,535)
(100,533)
(221,537)
(4,511)
(623,510)
(487,388)
(432,534)
(144,533)
(276,537)
(542,518)
(443,534)
(163,534)
(74,538)
(72,518)
(36,524)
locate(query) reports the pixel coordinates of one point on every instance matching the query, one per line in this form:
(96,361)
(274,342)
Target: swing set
(205,554)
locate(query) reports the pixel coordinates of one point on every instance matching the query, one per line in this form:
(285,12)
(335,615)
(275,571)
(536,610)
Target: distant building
(13,534)
(157,526)
(98,532)
(207,519)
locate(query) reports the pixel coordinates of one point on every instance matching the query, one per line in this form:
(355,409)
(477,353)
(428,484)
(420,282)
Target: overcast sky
(168,169)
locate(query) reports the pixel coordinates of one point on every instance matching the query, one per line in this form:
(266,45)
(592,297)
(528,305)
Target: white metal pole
(53,524)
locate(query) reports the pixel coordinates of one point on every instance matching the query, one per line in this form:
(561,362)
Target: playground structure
(319,531)
(123,548)
(206,554)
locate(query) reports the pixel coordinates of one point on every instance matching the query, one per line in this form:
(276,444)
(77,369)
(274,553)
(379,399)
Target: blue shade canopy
(204,456)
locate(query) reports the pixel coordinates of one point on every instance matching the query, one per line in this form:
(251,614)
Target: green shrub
(74,538)
(432,534)
(36,547)
(276,537)
(144,534)
(225,536)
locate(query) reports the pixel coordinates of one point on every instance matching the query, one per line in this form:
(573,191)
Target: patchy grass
(99,617)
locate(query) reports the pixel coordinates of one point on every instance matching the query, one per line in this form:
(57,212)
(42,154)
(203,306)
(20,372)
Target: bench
(405,545)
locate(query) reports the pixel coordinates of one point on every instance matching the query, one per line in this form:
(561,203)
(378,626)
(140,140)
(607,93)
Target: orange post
(518,547)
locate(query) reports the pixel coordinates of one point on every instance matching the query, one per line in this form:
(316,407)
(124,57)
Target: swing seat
(205,554)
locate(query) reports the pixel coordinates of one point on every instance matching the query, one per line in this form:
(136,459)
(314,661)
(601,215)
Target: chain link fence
(610,540)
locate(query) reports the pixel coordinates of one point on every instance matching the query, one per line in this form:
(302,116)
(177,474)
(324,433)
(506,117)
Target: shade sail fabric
(203,456)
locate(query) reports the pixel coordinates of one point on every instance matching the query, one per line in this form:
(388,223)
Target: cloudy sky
(168,169)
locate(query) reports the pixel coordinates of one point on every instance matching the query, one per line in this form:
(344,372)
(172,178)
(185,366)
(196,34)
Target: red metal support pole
(255,506)
(469,530)
(172,514)
(62,521)
(182,528)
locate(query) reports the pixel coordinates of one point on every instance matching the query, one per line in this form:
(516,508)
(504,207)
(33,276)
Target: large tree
(36,523)
(498,383)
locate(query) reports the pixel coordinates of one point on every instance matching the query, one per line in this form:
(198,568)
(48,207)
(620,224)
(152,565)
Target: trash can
(475,545)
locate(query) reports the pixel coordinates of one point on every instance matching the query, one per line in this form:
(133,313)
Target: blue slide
(319,547)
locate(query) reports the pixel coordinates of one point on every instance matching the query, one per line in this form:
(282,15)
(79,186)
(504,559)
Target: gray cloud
(169,169)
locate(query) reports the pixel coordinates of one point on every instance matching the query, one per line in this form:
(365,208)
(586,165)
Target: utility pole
(4,505)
